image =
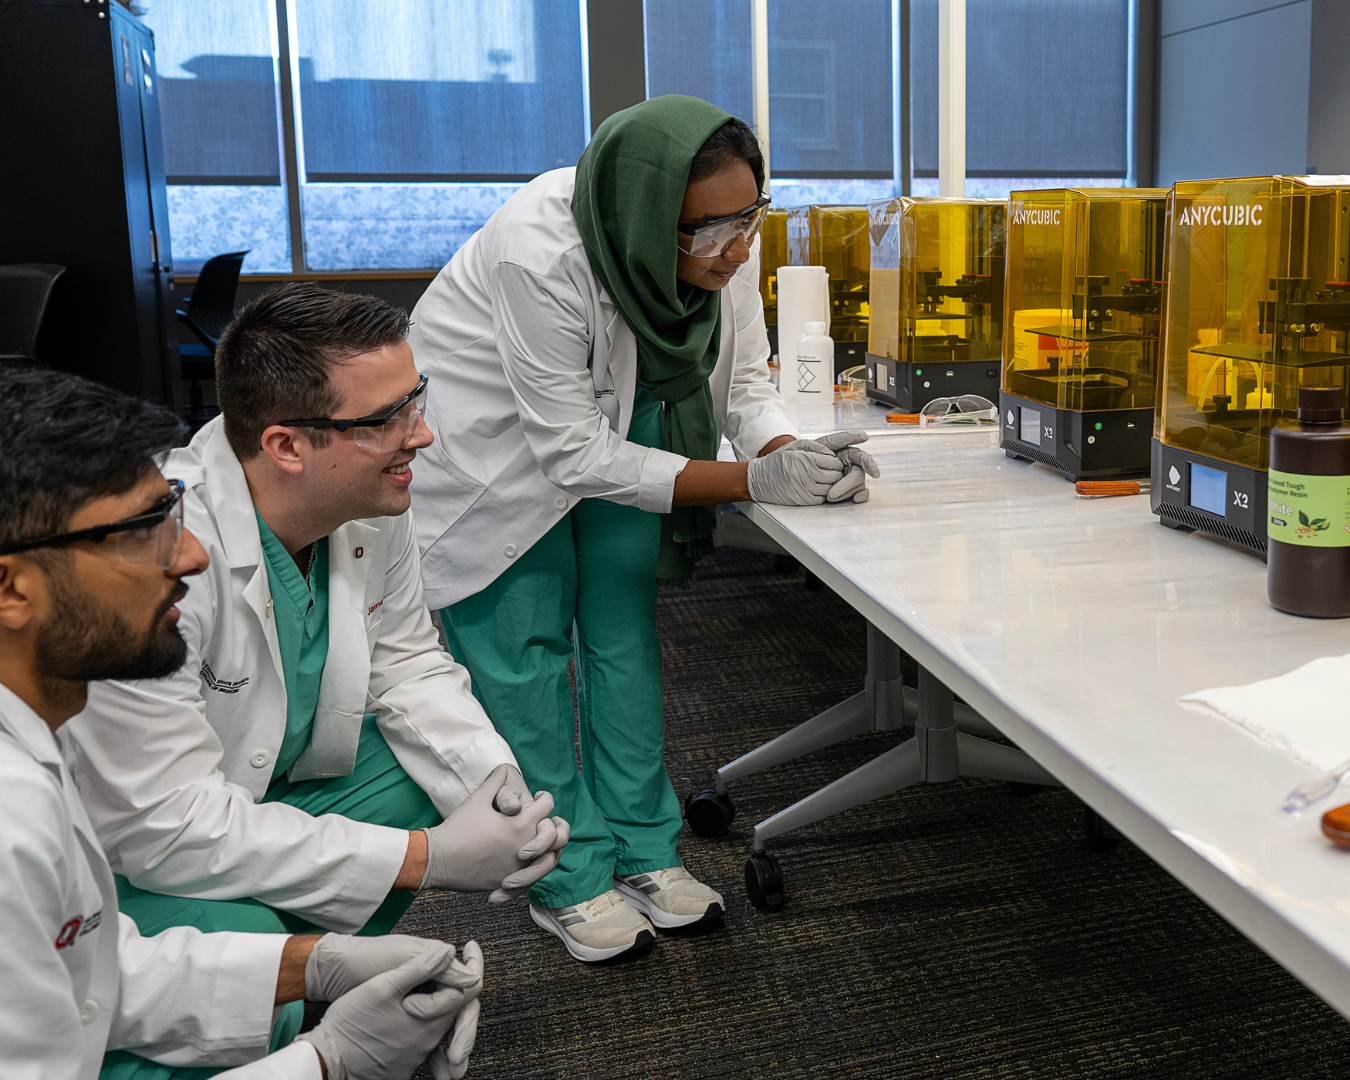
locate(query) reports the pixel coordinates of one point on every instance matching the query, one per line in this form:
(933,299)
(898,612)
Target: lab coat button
(259,759)
(560,502)
(509,551)
(89,1012)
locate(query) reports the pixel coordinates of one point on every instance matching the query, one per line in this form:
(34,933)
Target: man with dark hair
(320,757)
(93,553)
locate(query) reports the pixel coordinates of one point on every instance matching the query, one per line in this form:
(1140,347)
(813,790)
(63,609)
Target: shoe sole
(664,920)
(585,953)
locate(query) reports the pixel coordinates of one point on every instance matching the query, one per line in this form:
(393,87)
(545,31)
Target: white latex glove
(341,962)
(383,1030)
(476,848)
(450,1060)
(799,473)
(513,794)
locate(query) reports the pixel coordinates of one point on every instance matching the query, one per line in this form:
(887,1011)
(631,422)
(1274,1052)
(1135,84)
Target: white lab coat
(172,770)
(532,375)
(76,978)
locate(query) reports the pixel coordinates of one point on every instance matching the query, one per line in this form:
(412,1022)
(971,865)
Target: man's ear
(284,445)
(23,591)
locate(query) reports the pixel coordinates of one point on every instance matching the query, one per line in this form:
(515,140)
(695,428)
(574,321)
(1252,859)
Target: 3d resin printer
(772,255)
(1081,328)
(836,238)
(937,278)
(1258,305)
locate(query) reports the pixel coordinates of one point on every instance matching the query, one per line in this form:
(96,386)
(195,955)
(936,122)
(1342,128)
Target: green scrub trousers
(587,589)
(378,792)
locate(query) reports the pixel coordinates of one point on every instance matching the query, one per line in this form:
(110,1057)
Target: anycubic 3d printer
(936,321)
(836,238)
(1081,328)
(772,255)
(1258,304)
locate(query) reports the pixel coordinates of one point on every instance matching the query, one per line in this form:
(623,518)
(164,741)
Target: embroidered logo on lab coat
(219,685)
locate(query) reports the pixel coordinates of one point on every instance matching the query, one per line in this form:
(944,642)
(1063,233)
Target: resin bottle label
(1312,511)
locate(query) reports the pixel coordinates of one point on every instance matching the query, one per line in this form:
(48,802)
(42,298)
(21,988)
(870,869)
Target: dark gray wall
(617,55)
(1233,87)
(1329,88)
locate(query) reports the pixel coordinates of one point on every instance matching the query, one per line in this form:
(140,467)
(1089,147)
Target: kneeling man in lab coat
(93,554)
(319,757)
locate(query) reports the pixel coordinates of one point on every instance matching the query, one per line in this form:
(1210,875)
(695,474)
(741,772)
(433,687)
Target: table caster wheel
(764,881)
(813,583)
(785,564)
(1101,834)
(709,813)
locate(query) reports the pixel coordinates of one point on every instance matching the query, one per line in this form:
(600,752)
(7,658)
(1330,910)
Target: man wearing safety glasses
(588,350)
(319,758)
(94,562)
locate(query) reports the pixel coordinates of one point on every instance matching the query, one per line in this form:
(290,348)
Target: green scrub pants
(586,588)
(378,792)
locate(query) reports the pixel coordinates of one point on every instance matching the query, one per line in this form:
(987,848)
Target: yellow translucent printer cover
(772,255)
(835,237)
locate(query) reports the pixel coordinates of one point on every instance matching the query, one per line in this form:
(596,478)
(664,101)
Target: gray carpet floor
(957,930)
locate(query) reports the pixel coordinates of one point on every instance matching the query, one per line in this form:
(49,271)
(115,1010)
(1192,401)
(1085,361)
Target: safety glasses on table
(708,239)
(966,409)
(148,539)
(384,433)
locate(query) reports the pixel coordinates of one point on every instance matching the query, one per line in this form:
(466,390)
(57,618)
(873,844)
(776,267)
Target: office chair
(25,289)
(208,311)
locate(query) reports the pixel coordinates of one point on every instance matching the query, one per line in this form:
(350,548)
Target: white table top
(1074,625)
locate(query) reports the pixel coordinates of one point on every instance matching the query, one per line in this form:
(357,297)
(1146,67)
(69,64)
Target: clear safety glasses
(384,433)
(966,409)
(148,539)
(708,239)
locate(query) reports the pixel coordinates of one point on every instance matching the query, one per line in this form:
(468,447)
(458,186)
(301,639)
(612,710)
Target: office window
(221,149)
(1046,93)
(700,48)
(420,117)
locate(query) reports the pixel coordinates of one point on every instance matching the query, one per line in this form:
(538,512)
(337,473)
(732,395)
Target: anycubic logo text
(1035,215)
(1219,214)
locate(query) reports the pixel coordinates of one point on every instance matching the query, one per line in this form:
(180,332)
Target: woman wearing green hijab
(587,351)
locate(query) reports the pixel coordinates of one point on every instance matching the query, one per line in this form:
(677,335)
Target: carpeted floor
(947,931)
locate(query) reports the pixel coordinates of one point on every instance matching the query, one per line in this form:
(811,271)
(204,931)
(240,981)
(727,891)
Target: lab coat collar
(29,729)
(231,500)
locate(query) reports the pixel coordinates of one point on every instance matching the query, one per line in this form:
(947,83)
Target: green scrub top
(301,611)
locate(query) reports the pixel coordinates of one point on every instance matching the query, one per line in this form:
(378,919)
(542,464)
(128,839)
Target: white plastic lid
(814,328)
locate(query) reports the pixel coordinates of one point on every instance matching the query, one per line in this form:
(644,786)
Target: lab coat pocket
(444,492)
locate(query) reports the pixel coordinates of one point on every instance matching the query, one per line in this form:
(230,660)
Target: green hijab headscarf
(629,188)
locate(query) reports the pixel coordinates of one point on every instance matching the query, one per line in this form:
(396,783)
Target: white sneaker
(596,929)
(671,897)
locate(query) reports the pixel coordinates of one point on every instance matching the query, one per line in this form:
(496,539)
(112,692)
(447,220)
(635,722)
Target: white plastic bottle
(815,368)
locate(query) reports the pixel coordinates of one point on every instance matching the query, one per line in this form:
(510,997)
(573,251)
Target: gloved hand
(341,962)
(450,1060)
(799,473)
(856,462)
(382,1030)
(476,848)
(513,794)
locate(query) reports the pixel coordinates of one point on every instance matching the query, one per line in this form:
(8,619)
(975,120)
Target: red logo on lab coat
(68,932)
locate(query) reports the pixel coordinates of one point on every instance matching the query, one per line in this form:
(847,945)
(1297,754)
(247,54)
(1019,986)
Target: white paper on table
(1305,714)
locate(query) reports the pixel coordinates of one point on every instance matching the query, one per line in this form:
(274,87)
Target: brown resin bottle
(1308,508)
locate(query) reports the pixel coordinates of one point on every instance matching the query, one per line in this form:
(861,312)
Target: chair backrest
(25,289)
(212,305)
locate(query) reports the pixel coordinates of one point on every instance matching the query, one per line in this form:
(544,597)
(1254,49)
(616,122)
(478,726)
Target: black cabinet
(82,184)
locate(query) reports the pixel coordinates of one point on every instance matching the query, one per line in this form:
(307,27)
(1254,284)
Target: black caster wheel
(813,583)
(1101,834)
(764,881)
(709,813)
(785,564)
(1022,791)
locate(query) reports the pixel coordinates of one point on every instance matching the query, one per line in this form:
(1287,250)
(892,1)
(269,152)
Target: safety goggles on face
(708,239)
(966,409)
(384,433)
(148,539)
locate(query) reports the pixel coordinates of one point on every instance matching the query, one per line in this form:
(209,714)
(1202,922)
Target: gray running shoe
(671,897)
(596,929)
